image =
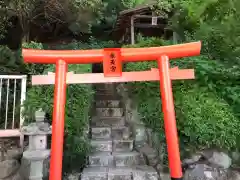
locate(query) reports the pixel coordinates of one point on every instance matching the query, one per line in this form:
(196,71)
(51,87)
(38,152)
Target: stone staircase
(113,155)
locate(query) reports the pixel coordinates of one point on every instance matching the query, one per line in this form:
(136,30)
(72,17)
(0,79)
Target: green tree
(132,3)
(23,9)
(215,22)
(79,15)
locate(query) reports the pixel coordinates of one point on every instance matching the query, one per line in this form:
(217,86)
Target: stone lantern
(35,160)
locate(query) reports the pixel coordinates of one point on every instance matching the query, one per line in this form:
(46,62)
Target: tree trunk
(25,38)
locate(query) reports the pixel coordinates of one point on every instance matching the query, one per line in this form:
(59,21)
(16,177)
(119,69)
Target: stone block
(108,103)
(120,173)
(110,112)
(144,173)
(219,159)
(40,128)
(165,176)
(150,153)
(143,159)
(72,176)
(122,145)
(149,136)
(106,86)
(140,134)
(35,164)
(101,133)
(156,143)
(205,172)
(94,173)
(129,159)
(101,159)
(38,142)
(86,132)
(15,176)
(8,168)
(235,155)
(14,153)
(101,145)
(108,121)
(39,115)
(121,132)
(104,90)
(107,96)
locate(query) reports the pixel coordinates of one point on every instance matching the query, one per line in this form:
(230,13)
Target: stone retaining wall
(152,150)
(10,166)
(147,142)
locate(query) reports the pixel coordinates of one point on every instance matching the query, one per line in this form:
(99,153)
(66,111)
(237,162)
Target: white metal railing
(12,96)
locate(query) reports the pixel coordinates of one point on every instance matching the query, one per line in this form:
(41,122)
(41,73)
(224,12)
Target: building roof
(124,19)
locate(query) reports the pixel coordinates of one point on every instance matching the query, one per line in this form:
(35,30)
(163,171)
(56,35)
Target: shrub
(78,104)
(79,98)
(204,118)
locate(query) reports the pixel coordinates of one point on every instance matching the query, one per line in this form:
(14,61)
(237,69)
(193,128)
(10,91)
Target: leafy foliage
(8,62)
(206,108)
(78,104)
(132,3)
(92,44)
(33,68)
(204,119)
(12,62)
(215,22)
(76,116)
(78,15)
(23,9)
(221,79)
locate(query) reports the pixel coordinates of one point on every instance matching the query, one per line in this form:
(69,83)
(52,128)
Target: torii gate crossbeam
(112,66)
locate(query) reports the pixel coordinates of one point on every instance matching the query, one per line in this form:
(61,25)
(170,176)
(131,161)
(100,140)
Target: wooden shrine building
(140,20)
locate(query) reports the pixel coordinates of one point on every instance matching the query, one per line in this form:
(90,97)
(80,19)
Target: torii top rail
(96,56)
(112,66)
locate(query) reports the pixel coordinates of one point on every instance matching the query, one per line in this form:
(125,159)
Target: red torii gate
(112,59)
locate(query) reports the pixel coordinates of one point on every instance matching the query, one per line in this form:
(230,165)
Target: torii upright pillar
(112,60)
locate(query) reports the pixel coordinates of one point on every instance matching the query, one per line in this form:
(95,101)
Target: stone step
(98,97)
(120,173)
(106,89)
(121,132)
(102,159)
(149,153)
(122,159)
(101,132)
(108,103)
(95,173)
(165,176)
(118,132)
(144,172)
(102,145)
(108,86)
(107,121)
(115,159)
(106,92)
(122,145)
(118,145)
(110,112)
